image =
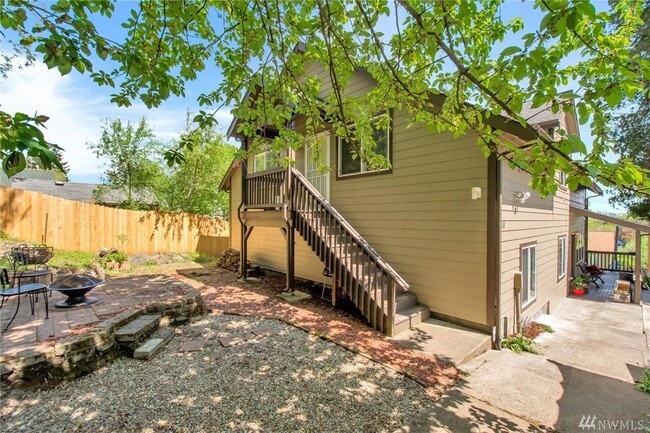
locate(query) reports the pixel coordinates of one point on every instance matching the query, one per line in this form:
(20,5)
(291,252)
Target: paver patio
(116,295)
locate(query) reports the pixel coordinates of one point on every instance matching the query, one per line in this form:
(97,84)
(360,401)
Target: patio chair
(595,271)
(30,290)
(38,255)
(592,277)
(20,260)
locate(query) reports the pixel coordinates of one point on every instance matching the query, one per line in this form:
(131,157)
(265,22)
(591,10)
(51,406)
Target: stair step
(138,329)
(154,344)
(410,317)
(405,300)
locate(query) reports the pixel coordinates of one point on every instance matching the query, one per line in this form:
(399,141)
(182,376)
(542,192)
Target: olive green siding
(419,217)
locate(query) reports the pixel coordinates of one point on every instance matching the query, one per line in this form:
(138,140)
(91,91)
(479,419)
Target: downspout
(494,243)
(244,172)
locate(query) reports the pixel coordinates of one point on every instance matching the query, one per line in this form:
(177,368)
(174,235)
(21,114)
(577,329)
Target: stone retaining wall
(76,355)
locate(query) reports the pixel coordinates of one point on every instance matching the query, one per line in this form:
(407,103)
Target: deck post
(243,254)
(638,284)
(391,307)
(291,232)
(334,288)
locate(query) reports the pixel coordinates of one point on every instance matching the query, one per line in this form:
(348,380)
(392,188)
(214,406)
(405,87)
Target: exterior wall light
(521,196)
(476,192)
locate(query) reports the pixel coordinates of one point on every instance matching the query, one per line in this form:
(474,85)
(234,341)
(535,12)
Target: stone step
(410,317)
(137,330)
(154,344)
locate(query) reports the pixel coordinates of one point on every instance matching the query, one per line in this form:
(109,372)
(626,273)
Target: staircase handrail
(351,231)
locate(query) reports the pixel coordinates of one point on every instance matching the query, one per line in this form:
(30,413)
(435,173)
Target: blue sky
(77,107)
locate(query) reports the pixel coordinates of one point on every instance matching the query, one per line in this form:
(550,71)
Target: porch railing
(610,261)
(266,189)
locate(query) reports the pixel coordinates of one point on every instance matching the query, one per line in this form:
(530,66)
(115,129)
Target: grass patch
(519,344)
(201,258)
(71,259)
(643,384)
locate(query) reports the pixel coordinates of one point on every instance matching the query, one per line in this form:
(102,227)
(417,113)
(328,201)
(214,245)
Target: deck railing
(266,189)
(610,261)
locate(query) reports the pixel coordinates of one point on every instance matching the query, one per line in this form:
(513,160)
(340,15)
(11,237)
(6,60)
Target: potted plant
(579,285)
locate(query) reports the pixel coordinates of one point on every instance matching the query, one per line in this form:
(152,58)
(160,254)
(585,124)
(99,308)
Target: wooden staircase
(376,289)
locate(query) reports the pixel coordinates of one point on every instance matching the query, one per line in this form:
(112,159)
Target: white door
(317,153)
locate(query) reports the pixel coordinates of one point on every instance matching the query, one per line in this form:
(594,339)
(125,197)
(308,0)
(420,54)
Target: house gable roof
(82,192)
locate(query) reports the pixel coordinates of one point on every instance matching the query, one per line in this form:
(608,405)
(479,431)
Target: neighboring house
(82,192)
(421,225)
(602,241)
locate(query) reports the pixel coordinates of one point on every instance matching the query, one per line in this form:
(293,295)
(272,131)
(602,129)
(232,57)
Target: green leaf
(614,97)
(14,163)
(65,68)
(510,51)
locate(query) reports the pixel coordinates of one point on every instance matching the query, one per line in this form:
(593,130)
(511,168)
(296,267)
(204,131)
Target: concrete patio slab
(586,367)
(453,343)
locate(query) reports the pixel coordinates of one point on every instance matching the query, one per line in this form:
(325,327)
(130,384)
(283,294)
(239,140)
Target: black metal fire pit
(75,287)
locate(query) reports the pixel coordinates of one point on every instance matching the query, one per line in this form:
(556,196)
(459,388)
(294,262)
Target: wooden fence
(77,226)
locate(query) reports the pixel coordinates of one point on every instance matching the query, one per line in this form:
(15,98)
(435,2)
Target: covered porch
(617,266)
(604,292)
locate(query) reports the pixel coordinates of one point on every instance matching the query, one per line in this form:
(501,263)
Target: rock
(97,271)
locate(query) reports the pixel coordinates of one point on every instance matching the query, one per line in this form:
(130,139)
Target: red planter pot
(578,292)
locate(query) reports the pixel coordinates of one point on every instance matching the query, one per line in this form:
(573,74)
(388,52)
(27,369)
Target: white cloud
(77,112)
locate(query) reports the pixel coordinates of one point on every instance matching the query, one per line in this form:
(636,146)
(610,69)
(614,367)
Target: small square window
(265,161)
(350,164)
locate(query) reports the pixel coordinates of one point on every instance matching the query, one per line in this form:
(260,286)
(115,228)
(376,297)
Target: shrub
(519,344)
(643,384)
(116,257)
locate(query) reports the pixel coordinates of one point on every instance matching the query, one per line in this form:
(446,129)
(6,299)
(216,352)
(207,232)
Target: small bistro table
(75,287)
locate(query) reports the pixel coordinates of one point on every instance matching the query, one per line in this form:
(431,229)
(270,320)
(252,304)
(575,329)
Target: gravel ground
(288,381)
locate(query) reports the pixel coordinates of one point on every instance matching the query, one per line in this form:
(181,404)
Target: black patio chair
(20,260)
(30,290)
(593,277)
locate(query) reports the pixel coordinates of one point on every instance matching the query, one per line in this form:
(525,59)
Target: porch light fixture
(476,192)
(521,196)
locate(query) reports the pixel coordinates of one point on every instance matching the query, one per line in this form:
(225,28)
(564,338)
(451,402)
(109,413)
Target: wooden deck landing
(605,292)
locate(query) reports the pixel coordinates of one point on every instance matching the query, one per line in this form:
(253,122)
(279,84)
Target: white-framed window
(349,165)
(561,257)
(562,178)
(264,161)
(528,273)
